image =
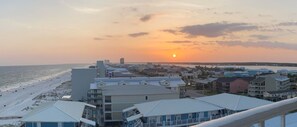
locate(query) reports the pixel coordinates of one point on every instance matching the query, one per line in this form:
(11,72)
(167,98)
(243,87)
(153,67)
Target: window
(108,107)
(108,116)
(184,116)
(47,124)
(172,117)
(205,114)
(163,118)
(107,99)
(68,124)
(29,124)
(194,115)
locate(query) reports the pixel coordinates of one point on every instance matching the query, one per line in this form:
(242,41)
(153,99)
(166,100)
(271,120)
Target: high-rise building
(122,61)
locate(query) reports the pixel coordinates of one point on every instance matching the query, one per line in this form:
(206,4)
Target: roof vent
(164,83)
(143,82)
(122,83)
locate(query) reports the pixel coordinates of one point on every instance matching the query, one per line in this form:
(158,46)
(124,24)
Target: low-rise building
(232,84)
(187,112)
(61,114)
(112,95)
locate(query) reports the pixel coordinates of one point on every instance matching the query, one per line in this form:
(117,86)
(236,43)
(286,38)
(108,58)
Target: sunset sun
(174,55)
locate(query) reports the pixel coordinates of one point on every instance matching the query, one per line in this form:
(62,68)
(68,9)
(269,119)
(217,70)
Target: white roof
(234,102)
(131,118)
(281,78)
(135,90)
(173,81)
(59,111)
(174,106)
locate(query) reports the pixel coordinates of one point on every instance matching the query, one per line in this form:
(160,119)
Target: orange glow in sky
(79,31)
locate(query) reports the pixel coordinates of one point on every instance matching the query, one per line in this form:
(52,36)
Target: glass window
(108,116)
(194,115)
(108,107)
(172,117)
(108,99)
(205,114)
(163,118)
(30,124)
(47,124)
(184,116)
(68,124)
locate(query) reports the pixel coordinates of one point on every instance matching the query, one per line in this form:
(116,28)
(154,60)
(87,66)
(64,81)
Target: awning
(90,122)
(131,118)
(128,109)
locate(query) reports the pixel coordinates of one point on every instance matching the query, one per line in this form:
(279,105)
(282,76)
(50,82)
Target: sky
(83,31)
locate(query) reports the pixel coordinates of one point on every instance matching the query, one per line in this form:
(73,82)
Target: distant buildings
(187,112)
(279,95)
(271,82)
(232,84)
(112,95)
(122,61)
(61,114)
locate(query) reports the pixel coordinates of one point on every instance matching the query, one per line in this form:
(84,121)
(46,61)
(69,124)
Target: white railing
(255,116)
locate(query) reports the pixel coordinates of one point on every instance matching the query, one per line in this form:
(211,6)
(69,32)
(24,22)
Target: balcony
(256,116)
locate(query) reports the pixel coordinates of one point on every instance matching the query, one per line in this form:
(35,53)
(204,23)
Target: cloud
(170,31)
(288,24)
(184,41)
(147,17)
(98,38)
(138,34)
(215,29)
(261,44)
(261,37)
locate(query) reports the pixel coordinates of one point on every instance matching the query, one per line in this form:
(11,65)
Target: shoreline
(18,101)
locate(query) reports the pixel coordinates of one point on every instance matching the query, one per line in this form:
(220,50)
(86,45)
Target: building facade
(112,97)
(187,112)
(271,82)
(81,79)
(232,84)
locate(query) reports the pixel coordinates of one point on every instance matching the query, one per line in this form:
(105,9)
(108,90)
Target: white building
(81,79)
(271,82)
(61,114)
(112,99)
(186,112)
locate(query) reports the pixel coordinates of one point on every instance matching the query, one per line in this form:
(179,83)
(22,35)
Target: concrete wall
(81,80)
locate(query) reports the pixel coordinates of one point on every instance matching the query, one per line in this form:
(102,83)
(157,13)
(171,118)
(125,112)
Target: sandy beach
(19,101)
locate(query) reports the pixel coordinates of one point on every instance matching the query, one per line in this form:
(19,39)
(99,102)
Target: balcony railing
(255,116)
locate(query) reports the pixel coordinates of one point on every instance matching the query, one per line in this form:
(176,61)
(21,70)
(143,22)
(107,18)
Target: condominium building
(61,114)
(187,112)
(81,78)
(271,82)
(232,84)
(112,95)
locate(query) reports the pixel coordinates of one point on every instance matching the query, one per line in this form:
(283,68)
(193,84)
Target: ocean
(15,76)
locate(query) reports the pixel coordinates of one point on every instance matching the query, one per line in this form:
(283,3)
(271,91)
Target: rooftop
(171,81)
(234,102)
(59,111)
(135,90)
(174,106)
